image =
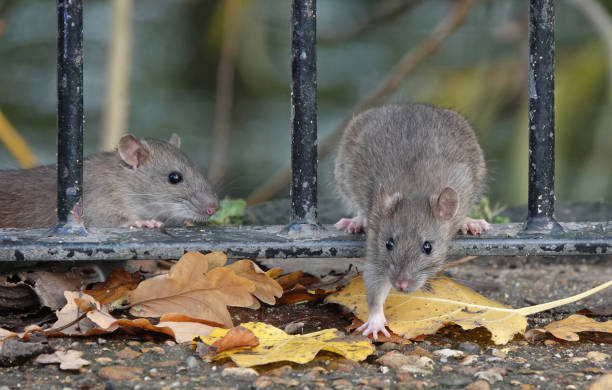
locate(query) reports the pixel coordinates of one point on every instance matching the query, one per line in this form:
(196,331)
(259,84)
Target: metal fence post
(303,114)
(541,70)
(70,117)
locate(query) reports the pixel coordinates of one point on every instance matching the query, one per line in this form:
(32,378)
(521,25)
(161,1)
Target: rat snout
(404,284)
(211,208)
(205,204)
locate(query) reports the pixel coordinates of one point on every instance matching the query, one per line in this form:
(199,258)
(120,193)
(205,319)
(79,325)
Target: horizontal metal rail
(264,242)
(541,235)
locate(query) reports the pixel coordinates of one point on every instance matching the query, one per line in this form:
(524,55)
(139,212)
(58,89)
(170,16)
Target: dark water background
(480,71)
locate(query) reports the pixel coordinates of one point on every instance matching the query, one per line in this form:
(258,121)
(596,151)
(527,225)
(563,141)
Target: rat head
(163,184)
(408,238)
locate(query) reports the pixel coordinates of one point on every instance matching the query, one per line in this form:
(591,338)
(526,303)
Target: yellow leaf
(423,312)
(568,328)
(276,345)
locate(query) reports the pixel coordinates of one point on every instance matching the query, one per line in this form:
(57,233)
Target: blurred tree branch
(15,144)
(117,104)
(225,89)
(385,15)
(393,81)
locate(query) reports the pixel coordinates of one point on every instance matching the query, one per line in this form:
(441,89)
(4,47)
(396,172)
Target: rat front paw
(352,225)
(374,324)
(149,223)
(475,226)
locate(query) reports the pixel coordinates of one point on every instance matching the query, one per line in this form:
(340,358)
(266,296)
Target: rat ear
(444,206)
(387,202)
(131,151)
(175,140)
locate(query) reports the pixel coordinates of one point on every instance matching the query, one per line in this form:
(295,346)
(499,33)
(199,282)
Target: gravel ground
(450,359)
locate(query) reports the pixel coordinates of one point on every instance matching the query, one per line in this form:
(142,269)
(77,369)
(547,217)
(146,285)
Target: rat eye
(427,247)
(175,178)
(390,244)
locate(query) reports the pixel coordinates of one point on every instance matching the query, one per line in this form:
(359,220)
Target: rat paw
(352,225)
(475,226)
(373,325)
(149,223)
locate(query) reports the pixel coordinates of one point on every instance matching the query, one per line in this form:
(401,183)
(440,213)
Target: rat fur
(127,187)
(410,173)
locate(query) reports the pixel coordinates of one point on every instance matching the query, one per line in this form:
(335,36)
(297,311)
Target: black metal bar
(70,117)
(541,70)
(303,114)
(269,242)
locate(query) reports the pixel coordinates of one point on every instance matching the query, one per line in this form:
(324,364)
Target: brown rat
(144,183)
(411,173)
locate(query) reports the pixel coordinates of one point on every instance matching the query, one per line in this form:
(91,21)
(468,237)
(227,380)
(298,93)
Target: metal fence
(303,237)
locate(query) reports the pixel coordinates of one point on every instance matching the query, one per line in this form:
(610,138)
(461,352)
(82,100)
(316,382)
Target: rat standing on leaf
(411,174)
(144,183)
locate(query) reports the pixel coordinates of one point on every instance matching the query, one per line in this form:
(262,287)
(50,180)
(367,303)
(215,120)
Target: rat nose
(403,285)
(211,208)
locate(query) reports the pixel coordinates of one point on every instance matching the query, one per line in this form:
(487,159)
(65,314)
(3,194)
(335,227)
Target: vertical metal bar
(70,117)
(303,113)
(541,118)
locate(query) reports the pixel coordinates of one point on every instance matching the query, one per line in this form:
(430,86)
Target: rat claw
(475,226)
(148,223)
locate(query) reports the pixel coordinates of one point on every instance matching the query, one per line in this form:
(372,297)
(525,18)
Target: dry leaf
(276,345)
(68,360)
(118,283)
(266,288)
(238,337)
(72,311)
(568,328)
(423,312)
(290,280)
(274,272)
(190,289)
(299,293)
(214,259)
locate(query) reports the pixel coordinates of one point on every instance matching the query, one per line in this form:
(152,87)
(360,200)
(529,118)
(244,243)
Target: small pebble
(192,362)
(240,372)
(468,347)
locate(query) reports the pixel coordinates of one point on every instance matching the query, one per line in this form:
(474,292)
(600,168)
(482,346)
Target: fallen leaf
(68,360)
(238,337)
(190,289)
(448,302)
(290,280)
(69,313)
(424,312)
(299,293)
(274,272)
(266,288)
(568,328)
(118,283)
(276,346)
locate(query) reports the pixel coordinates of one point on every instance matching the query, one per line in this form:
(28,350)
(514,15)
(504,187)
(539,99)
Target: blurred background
(217,72)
